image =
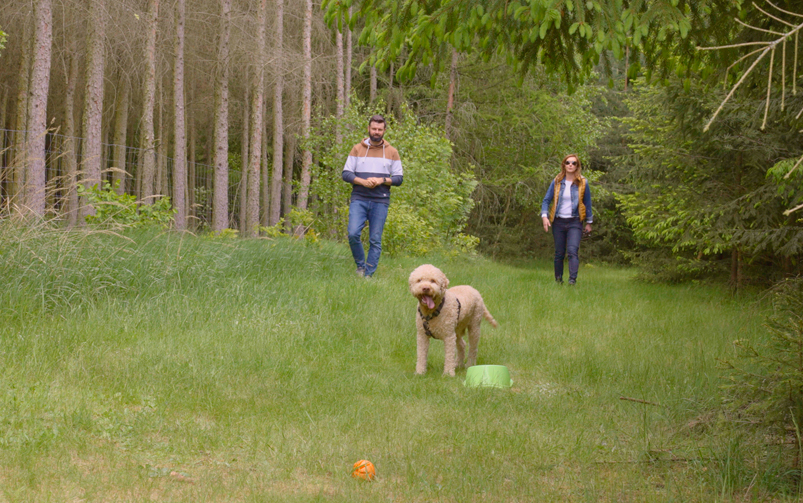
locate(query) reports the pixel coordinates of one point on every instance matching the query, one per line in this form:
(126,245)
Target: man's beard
(376,139)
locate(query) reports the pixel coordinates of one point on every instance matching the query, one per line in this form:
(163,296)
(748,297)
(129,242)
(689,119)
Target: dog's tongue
(428,301)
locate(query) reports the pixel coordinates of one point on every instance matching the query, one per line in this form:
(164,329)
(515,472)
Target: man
(372,167)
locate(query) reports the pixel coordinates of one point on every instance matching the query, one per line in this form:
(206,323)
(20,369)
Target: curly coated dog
(446,314)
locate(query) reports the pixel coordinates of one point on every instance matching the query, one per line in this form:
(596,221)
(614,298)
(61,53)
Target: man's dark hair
(376,118)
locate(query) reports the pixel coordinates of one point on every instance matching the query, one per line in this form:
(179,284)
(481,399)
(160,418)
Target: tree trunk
(372,92)
(191,172)
(179,126)
(242,187)
(91,148)
(147,143)
(450,100)
(278,120)
(37,109)
(347,88)
(306,109)
(340,98)
(220,205)
(159,188)
(17,178)
(70,159)
(287,187)
(264,207)
(119,173)
(257,127)
(3,146)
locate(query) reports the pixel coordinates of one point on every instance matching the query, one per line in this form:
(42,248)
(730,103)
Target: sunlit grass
(179,368)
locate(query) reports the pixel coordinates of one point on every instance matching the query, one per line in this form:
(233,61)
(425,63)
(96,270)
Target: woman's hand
(545,220)
(588,228)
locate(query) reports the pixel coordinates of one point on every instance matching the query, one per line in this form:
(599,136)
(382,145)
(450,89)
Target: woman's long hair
(578,175)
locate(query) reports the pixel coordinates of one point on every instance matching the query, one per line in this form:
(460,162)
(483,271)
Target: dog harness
(435,314)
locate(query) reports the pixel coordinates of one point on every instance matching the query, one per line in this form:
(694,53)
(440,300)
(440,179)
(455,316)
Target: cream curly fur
(429,285)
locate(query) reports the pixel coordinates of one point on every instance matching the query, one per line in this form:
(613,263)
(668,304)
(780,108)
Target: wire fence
(61,149)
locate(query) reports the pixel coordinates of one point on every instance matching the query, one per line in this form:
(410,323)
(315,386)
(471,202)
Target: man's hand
(369,183)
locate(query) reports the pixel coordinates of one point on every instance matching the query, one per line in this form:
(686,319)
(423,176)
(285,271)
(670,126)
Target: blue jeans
(374,214)
(567,233)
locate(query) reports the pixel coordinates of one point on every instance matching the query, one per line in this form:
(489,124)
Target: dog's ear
(444,282)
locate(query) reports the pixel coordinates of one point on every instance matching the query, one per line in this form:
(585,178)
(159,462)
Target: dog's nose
(425,289)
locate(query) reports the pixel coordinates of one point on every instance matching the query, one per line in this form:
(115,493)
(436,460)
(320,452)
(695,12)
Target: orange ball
(364,469)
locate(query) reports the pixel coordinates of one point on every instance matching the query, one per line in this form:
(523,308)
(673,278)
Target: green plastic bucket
(488,376)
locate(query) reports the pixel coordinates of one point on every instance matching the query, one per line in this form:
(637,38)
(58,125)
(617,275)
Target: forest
(239,115)
(177,309)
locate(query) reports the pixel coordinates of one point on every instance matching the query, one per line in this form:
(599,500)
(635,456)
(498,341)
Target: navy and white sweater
(366,161)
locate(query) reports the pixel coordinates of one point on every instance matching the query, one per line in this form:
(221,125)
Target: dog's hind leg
(473,343)
(461,349)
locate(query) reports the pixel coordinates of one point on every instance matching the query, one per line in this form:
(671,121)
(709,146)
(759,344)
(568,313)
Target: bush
(123,210)
(427,213)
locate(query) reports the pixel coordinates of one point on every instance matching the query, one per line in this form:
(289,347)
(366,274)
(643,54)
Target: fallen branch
(637,400)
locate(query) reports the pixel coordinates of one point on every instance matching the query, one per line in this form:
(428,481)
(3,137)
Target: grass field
(168,368)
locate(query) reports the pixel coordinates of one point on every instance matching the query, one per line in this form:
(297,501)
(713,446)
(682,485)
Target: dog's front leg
(450,357)
(422,348)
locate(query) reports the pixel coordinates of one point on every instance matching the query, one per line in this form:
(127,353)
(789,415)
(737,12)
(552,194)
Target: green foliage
(112,209)
(3,39)
(765,381)
(428,212)
(701,196)
(569,38)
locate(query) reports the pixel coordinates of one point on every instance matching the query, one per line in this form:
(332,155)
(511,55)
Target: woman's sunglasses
(572,163)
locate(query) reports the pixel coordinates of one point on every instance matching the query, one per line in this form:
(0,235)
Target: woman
(570,197)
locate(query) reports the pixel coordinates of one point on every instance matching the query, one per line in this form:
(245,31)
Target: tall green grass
(182,368)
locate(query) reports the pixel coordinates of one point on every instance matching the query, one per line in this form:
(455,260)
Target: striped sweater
(367,161)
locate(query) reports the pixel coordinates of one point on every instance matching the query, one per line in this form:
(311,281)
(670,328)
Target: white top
(565,208)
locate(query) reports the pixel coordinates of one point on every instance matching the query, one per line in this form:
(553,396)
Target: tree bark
(147,143)
(372,92)
(347,88)
(179,125)
(278,120)
(257,127)
(306,109)
(242,188)
(119,174)
(70,159)
(3,146)
(264,189)
(340,99)
(17,174)
(91,148)
(191,160)
(220,205)
(287,187)
(161,140)
(37,108)
(450,100)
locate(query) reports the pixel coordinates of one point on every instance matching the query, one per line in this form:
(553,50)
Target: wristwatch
(384,179)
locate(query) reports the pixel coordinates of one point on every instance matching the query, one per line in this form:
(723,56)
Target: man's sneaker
(559,281)
(572,282)
(361,272)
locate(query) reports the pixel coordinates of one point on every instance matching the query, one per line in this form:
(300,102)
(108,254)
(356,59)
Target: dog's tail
(487,315)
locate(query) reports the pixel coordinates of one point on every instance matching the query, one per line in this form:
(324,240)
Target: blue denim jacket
(575,191)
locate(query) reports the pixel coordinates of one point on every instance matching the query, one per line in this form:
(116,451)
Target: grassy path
(172,369)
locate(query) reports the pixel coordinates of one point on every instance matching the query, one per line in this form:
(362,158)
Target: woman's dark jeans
(567,233)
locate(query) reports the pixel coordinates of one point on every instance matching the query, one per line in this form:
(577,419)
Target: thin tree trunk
(450,100)
(264,207)
(287,187)
(340,98)
(257,126)
(278,120)
(70,159)
(306,109)
(242,188)
(147,143)
(191,173)
(159,188)
(17,179)
(37,108)
(220,205)
(347,88)
(372,92)
(91,148)
(119,174)
(179,130)
(3,146)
